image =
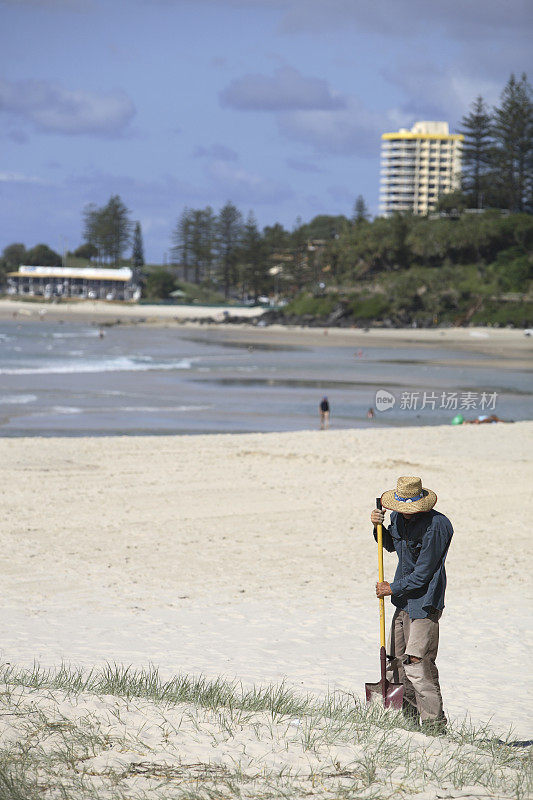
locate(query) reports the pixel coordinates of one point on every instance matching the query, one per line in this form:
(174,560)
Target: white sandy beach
(251,556)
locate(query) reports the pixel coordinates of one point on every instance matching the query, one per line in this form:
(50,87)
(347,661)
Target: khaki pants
(418,638)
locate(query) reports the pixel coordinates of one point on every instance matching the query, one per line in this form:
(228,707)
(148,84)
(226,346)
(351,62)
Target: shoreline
(188,318)
(100,311)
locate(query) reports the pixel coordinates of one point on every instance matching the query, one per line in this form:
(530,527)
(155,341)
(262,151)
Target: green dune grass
(126,734)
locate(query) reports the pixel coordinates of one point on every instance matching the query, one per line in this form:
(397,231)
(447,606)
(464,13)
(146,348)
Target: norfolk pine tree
(202,223)
(299,253)
(137,255)
(477,153)
(360,210)
(254,255)
(108,229)
(229,232)
(207,241)
(513,136)
(117,229)
(181,241)
(90,230)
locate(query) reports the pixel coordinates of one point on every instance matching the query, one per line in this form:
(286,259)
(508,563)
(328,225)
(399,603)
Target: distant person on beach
(323,410)
(421,537)
(370,413)
(484,418)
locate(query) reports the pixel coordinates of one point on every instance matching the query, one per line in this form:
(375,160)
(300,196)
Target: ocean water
(64,379)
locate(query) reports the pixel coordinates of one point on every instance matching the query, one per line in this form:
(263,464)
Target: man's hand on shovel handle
(376,517)
(383,589)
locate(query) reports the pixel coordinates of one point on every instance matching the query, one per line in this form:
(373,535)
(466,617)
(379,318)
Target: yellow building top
(409,135)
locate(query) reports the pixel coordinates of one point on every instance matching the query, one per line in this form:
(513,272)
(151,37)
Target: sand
(251,556)
(111,747)
(102,311)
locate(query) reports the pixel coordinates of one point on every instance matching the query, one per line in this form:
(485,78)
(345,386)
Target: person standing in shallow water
(323,410)
(421,537)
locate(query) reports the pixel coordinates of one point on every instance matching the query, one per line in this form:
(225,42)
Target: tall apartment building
(418,166)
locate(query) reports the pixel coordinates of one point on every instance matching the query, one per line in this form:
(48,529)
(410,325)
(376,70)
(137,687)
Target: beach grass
(125,733)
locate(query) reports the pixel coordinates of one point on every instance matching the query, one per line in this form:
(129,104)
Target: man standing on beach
(323,410)
(421,537)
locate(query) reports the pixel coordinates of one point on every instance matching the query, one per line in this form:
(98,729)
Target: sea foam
(16,399)
(120,364)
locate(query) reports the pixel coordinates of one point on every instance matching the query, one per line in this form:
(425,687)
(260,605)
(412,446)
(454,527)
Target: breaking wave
(120,364)
(16,399)
(84,334)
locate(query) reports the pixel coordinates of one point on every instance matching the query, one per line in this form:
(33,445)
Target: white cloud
(444,94)
(353,130)
(307,110)
(473,19)
(51,108)
(19,177)
(286,90)
(463,20)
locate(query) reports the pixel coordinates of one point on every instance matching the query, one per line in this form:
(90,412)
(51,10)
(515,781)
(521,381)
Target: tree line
(226,249)
(332,253)
(335,251)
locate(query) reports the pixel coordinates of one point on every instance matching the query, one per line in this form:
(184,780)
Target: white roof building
(93,283)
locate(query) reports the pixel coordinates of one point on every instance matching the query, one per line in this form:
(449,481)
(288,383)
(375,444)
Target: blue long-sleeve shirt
(421,544)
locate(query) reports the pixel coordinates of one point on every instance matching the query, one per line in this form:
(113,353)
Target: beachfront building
(84,283)
(418,166)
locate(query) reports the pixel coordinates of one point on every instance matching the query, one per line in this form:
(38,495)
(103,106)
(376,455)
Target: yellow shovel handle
(380,574)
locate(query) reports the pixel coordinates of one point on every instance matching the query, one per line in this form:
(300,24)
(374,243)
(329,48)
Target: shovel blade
(390,694)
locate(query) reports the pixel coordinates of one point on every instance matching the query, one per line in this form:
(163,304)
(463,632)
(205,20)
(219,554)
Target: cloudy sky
(277,105)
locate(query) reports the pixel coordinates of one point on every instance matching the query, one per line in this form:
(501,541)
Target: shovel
(390,693)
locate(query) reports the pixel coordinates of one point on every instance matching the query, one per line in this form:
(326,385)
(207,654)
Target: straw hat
(409,497)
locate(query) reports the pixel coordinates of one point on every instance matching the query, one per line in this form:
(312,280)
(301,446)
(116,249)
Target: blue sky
(277,105)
